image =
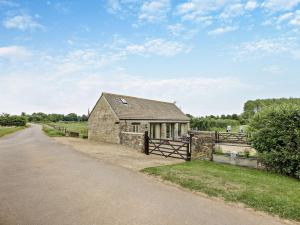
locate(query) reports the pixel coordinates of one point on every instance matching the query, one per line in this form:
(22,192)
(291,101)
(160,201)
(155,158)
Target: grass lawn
(79,127)
(9,130)
(51,132)
(260,190)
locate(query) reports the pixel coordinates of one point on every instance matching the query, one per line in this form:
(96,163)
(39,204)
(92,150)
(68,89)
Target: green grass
(260,190)
(79,127)
(51,132)
(9,130)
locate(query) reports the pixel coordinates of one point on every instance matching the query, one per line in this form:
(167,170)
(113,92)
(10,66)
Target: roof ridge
(104,93)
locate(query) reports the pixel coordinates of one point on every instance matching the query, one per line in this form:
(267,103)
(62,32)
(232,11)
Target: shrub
(202,123)
(7,120)
(276,137)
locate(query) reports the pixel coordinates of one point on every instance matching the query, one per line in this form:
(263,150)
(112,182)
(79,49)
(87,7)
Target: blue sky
(210,56)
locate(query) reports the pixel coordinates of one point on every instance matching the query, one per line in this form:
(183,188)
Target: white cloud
(7,3)
(204,10)
(233,10)
(155,10)
(14,52)
(264,47)
(176,29)
(158,47)
(195,95)
(22,22)
(284,17)
(251,5)
(296,20)
(113,5)
(62,7)
(272,69)
(280,5)
(222,30)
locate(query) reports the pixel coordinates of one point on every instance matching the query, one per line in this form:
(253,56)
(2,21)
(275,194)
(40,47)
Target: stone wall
(133,140)
(203,144)
(127,125)
(103,125)
(240,161)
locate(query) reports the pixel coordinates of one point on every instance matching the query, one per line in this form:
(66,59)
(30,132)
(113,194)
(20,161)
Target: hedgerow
(7,120)
(276,137)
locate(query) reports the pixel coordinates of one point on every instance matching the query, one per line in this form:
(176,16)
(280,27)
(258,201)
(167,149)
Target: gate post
(146,143)
(189,148)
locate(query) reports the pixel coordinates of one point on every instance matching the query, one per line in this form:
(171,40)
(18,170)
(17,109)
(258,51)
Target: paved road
(43,182)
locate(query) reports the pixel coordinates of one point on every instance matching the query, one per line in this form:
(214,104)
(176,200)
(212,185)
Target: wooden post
(146,143)
(216,136)
(189,148)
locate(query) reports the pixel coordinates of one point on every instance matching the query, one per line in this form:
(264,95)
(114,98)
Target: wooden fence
(232,138)
(65,131)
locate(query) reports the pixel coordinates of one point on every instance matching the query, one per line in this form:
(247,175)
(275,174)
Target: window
(170,130)
(179,130)
(135,128)
(155,130)
(123,101)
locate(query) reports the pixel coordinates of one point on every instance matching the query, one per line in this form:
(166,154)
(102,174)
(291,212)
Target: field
(9,130)
(79,127)
(260,190)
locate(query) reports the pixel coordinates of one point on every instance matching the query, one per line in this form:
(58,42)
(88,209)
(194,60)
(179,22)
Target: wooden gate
(179,149)
(232,138)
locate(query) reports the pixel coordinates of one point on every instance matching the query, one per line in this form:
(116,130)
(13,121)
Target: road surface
(44,182)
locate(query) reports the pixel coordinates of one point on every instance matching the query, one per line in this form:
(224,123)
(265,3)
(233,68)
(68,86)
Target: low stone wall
(239,161)
(133,140)
(203,144)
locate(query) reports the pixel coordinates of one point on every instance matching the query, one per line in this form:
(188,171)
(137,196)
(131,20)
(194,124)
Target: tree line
(250,109)
(21,120)
(53,117)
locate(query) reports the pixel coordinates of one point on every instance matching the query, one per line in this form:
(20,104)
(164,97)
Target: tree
(275,135)
(71,117)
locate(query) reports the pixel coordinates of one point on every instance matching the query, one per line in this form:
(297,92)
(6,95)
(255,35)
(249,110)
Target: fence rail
(232,138)
(65,130)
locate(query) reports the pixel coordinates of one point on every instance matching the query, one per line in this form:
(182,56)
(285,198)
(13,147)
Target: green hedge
(201,123)
(7,120)
(276,137)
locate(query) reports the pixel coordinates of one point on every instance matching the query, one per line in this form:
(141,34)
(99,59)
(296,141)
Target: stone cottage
(114,114)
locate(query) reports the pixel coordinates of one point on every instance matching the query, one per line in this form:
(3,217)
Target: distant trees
(8,120)
(251,107)
(212,122)
(43,117)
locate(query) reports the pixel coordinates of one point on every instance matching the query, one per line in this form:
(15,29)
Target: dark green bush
(7,120)
(276,137)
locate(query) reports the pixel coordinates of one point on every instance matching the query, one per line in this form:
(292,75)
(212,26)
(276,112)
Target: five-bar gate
(179,149)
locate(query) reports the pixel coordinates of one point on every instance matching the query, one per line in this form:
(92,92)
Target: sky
(208,56)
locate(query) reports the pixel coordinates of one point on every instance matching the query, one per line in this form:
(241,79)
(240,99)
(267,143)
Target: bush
(207,124)
(7,120)
(276,137)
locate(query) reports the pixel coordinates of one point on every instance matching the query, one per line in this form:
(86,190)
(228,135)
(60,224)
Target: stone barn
(114,114)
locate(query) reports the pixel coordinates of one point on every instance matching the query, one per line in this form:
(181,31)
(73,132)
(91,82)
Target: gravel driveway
(116,154)
(44,182)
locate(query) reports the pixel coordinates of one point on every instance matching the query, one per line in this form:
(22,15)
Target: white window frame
(135,128)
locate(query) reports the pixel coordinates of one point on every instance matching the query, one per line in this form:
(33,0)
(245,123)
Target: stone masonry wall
(133,140)
(127,125)
(103,124)
(203,144)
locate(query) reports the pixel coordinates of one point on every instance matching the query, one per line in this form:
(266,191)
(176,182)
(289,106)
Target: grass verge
(261,190)
(78,127)
(51,132)
(9,130)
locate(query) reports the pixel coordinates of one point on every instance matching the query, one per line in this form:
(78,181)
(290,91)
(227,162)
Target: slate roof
(143,109)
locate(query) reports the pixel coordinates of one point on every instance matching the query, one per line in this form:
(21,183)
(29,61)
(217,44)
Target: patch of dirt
(116,154)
